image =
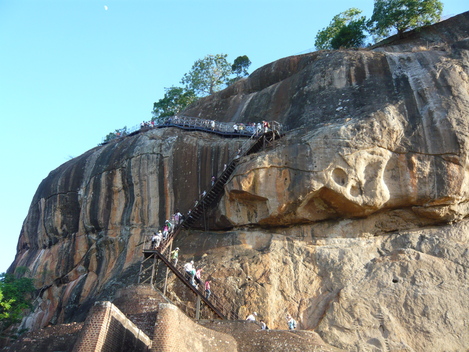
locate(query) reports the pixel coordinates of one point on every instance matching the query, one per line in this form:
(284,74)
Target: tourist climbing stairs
(218,305)
(214,303)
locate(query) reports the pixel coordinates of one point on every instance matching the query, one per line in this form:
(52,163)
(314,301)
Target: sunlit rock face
(89,218)
(354,221)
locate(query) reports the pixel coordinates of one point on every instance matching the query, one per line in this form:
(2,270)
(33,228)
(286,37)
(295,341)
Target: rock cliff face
(355,221)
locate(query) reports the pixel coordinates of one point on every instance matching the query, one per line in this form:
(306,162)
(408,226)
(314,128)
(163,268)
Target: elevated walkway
(224,129)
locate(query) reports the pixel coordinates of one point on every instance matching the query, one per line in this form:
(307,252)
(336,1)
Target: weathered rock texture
(354,222)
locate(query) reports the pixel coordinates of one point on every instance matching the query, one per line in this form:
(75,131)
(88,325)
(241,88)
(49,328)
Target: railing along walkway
(225,129)
(214,302)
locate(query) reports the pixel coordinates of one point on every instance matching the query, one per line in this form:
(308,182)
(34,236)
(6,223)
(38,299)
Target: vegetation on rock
(403,15)
(351,35)
(347,29)
(208,75)
(117,133)
(174,101)
(334,31)
(15,298)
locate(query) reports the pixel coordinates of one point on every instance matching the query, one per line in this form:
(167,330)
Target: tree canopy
(15,297)
(208,75)
(240,66)
(350,36)
(175,100)
(350,17)
(122,132)
(403,15)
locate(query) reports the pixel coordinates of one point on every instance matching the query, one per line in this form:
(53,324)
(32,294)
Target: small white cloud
(105,7)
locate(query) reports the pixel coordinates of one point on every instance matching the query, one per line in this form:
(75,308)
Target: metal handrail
(228,310)
(208,125)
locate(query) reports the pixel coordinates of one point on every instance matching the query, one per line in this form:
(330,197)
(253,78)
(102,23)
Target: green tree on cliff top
(325,36)
(351,35)
(403,15)
(174,101)
(208,75)
(240,66)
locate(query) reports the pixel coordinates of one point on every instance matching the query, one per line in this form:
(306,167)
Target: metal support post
(167,270)
(153,269)
(197,308)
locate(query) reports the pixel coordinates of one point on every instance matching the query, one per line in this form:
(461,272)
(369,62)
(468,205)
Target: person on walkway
(190,272)
(177,217)
(165,231)
(175,256)
(208,292)
(252,317)
(159,239)
(291,322)
(213,180)
(155,242)
(198,279)
(170,226)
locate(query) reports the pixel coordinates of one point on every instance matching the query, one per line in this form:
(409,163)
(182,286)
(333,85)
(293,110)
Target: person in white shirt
(190,271)
(252,317)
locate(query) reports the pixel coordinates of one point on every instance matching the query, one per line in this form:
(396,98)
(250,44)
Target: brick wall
(175,332)
(106,329)
(140,304)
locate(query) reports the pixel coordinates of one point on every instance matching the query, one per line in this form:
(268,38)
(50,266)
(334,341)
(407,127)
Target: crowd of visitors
(290,321)
(194,276)
(167,230)
(246,129)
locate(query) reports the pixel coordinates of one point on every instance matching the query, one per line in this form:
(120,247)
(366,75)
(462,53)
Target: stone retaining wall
(175,332)
(108,330)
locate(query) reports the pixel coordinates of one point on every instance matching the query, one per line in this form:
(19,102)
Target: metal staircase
(217,189)
(149,265)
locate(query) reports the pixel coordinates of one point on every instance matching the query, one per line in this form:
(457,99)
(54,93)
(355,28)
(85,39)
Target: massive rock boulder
(355,221)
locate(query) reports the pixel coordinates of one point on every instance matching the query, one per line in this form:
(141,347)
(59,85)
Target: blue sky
(71,71)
